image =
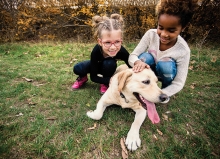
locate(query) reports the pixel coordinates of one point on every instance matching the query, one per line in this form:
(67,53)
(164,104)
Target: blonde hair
(114,22)
(184,9)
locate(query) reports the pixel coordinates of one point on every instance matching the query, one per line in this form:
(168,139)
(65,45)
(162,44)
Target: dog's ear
(121,68)
(122,77)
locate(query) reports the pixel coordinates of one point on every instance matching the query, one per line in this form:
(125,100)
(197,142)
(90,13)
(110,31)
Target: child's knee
(82,68)
(110,64)
(166,69)
(76,69)
(167,65)
(147,58)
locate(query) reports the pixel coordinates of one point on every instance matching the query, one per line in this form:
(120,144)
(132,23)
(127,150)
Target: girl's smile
(168,29)
(110,42)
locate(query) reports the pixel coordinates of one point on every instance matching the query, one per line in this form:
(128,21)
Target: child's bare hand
(139,66)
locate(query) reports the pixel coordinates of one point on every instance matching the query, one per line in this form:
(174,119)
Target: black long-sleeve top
(97,57)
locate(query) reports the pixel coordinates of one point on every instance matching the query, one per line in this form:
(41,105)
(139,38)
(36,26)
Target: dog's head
(142,84)
(142,87)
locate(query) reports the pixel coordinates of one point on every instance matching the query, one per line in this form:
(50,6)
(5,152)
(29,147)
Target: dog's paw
(91,114)
(133,141)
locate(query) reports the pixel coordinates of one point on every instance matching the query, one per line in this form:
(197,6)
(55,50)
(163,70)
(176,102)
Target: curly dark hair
(184,9)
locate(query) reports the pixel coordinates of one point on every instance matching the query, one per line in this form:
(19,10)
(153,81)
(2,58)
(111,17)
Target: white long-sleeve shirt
(180,52)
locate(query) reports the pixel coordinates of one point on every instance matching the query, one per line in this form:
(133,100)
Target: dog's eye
(146,82)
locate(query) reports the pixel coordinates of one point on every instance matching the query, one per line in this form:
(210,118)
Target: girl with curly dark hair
(163,49)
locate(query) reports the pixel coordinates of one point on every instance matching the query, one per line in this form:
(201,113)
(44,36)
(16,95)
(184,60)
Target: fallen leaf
(192,86)
(190,67)
(51,118)
(159,132)
(32,103)
(92,128)
(187,132)
(213,153)
(165,117)
(155,137)
(74,59)
(124,151)
(27,79)
(214,59)
(48,131)
(38,85)
(37,55)
(20,114)
(168,112)
(192,62)
(88,104)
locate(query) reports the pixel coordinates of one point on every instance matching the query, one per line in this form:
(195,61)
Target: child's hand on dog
(139,66)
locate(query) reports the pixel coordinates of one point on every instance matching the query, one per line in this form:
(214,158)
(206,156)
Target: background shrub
(71,19)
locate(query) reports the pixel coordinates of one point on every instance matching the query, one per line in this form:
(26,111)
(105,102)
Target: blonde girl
(104,56)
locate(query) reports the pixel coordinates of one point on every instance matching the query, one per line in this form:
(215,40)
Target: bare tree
(11,7)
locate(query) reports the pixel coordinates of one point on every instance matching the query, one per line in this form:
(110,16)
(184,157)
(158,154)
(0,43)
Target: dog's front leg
(133,140)
(100,108)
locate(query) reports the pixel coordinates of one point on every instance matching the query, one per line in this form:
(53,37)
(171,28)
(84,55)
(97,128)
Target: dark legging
(106,68)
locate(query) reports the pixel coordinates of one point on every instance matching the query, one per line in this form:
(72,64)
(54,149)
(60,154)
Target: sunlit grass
(44,118)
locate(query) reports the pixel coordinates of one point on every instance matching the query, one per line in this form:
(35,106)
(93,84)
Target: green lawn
(41,117)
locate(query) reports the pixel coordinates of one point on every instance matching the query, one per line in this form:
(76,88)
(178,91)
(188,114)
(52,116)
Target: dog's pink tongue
(152,112)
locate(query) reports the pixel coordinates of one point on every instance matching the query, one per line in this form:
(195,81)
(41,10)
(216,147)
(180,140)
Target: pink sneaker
(103,88)
(79,82)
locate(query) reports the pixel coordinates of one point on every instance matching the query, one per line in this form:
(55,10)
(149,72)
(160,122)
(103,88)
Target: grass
(43,118)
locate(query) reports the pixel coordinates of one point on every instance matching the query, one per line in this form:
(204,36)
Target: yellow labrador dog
(138,91)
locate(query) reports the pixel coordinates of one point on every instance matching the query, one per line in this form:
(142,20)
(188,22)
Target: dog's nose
(163,97)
